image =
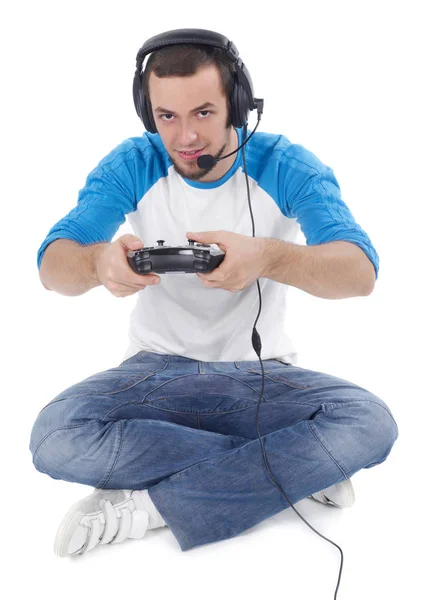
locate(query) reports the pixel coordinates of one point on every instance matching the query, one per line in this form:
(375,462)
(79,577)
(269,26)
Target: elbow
(47,288)
(367,276)
(42,276)
(367,292)
(370,283)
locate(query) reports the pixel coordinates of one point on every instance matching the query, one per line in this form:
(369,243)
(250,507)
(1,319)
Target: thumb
(131,242)
(201,236)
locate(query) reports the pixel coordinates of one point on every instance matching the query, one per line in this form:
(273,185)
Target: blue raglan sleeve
(108,195)
(309,192)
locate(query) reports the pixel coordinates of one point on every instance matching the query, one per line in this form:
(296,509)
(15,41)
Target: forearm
(69,268)
(333,270)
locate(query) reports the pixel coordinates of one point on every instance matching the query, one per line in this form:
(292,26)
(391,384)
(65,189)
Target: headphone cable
(256,343)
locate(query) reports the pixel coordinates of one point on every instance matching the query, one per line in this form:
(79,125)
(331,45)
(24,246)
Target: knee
(365,431)
(376,430)
(60,414)
(382,428)
(43,425)
(73,449)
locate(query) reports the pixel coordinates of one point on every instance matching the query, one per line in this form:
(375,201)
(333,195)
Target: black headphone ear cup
(142,105)
(136,90)
(239,101)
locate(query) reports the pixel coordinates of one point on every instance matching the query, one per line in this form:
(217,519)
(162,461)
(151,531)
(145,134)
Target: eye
(204,111)
(165,115)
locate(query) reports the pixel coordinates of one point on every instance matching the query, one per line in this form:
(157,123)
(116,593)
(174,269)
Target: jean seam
(47,435)
(165,383)
(281,379)
(150,374)
(333,407)
(114,459)
(323,444)
(203,414)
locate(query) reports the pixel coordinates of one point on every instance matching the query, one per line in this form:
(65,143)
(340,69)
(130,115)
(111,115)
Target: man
(169,437)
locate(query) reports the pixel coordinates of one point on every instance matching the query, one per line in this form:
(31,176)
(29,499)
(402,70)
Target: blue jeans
(186,431)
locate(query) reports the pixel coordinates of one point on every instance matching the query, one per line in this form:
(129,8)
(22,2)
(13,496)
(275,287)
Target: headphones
(241,100)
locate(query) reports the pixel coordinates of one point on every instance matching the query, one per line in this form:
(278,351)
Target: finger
(203,278)
(124,294)
(124,291)
(213,278)
(134,285)
(132,279)
(209,283)
(131,242)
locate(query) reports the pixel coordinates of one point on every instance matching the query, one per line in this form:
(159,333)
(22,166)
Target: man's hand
(114,272)
(242,265)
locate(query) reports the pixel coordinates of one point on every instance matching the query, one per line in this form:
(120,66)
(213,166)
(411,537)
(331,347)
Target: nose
(187,135)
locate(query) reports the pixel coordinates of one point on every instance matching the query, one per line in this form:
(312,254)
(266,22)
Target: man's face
(190,113)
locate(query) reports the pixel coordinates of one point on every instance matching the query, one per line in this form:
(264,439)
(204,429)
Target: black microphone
(207,161)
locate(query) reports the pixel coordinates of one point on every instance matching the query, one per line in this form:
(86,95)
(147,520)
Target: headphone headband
(188,36)
(242,98)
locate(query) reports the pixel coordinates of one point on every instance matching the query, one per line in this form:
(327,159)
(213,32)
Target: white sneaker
(106,517)
(340,494)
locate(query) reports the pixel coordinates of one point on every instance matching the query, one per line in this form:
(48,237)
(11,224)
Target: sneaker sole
(69,522)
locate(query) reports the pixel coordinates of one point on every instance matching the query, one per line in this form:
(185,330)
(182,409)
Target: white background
(341,79)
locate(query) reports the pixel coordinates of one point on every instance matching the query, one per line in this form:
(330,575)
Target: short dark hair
(185,59)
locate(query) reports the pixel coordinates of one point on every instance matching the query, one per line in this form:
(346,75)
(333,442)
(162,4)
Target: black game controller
(199,258)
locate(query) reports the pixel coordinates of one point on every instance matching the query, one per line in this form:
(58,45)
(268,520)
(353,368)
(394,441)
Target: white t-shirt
(291,190)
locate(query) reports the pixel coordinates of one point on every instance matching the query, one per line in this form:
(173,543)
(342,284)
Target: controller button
(199,265)
(145,267)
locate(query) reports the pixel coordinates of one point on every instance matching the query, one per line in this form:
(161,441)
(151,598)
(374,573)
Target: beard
(200,172)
